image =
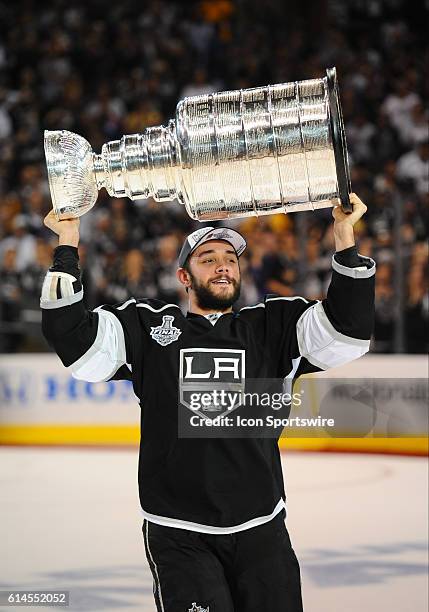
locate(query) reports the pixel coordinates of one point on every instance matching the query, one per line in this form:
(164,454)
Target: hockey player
(213,508)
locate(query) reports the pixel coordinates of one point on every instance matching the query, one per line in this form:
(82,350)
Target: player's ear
(183,277)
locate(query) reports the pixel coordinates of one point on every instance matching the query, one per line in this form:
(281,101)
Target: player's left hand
(345,222)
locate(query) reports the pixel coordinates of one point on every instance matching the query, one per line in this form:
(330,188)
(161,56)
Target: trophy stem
(100,177)
(140,166)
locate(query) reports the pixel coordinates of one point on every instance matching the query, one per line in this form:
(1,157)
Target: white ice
(70,519)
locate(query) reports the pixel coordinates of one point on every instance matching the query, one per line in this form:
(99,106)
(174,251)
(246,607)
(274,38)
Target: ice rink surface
(70,520)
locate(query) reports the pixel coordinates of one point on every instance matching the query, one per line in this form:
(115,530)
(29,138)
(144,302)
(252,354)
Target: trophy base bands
(35,598)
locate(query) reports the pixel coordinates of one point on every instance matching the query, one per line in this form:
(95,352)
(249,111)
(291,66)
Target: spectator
(10,302)
(133,279)
(398,105)
(360,133)
(21,241)
(417,310)
(416,129)
(65,68)
(165,269)
(414,167)
(199,85)
(32,276)
(385,310)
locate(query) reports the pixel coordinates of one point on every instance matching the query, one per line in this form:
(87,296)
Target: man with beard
(213,507)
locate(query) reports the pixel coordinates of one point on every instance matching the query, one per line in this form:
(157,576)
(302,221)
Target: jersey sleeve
(98,345)
(321,334)
(113,352)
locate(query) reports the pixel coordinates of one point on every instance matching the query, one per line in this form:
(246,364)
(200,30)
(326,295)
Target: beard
(208,300)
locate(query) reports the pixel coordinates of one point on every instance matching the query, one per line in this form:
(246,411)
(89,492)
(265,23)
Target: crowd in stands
(106,70)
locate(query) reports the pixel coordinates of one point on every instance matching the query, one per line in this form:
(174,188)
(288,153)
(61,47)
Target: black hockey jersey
(215,485)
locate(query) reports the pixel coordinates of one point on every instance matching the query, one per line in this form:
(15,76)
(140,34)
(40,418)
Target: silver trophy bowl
(265,150)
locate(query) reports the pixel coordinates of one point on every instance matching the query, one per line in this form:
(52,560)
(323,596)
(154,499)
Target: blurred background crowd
(104,71)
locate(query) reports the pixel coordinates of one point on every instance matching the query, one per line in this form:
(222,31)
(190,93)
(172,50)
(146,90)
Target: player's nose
(222,267)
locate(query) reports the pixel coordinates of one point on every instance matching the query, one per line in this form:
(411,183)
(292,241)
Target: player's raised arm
(322,334)
(338,329)
(91,344)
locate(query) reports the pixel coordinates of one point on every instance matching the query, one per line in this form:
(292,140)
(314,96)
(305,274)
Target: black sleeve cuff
(349,257)
(66,259)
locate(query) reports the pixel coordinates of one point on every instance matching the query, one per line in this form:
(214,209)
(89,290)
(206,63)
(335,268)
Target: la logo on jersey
(165,333)
(211,381)
(196,608)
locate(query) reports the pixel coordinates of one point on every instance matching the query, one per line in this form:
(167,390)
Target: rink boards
(42,404)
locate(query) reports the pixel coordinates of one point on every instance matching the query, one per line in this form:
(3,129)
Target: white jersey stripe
(323,319)
(158,591)
(49,299)
(180,524)
(106,355)
(133,301)
(127,303)
(260,305)
(290,298)
(288,379)
(359,271)
(321,344)
(272,299)
(158,309)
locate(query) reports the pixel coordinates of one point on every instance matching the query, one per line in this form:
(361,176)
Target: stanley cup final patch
(165,333)
(196,608)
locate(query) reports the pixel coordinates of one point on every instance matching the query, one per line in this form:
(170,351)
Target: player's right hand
(67,229)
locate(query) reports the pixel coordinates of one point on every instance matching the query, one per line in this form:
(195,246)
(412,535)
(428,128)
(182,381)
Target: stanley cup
(259,151)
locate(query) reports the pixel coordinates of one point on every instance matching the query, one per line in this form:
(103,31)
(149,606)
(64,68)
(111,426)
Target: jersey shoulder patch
(159,318)
(166,333)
